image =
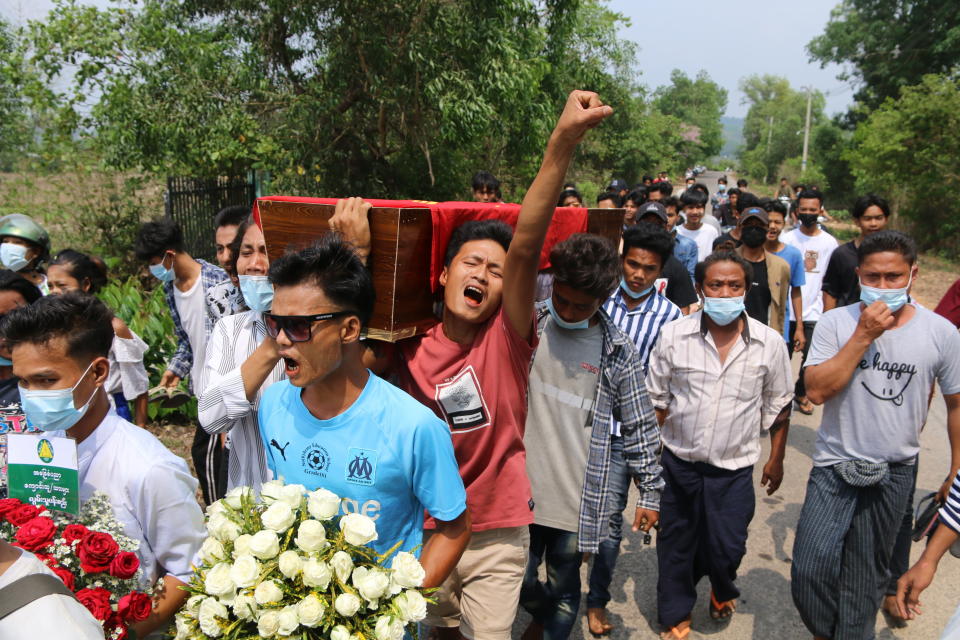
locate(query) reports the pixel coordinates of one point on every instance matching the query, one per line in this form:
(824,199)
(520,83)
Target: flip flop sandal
(175,399)
(804,407)
(721,610)
(605,632)
(675,633)
(157,394)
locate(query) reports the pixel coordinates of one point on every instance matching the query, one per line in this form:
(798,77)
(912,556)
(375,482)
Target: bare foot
(597,621)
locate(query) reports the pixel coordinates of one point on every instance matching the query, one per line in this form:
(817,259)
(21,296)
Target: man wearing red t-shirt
(472,370)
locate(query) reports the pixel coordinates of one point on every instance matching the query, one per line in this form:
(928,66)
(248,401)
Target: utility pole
(806,132)
(769,138)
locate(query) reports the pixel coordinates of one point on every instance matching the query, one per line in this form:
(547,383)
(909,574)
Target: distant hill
(732,135)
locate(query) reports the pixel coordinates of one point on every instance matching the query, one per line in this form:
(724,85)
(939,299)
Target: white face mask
(13,256)
(53,409)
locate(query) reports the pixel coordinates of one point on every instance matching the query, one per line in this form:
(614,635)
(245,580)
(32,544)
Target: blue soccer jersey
(387,456)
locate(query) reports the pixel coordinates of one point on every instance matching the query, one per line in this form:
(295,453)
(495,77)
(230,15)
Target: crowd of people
(507,436)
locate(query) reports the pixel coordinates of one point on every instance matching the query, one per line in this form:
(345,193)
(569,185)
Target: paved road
(766,609)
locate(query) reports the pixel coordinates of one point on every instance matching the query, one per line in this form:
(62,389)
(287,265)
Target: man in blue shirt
(333,424)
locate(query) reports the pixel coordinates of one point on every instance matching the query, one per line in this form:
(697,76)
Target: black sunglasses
(298,328)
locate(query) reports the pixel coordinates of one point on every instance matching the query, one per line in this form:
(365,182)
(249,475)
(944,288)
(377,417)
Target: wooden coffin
(400,255)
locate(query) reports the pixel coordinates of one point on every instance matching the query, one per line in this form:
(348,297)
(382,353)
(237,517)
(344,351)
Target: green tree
(14,119)
(698,103)
(773,128)
(885,45)
(331,96)
(909,150)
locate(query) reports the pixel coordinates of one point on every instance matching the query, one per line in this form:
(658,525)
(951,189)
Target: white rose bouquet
(285,565)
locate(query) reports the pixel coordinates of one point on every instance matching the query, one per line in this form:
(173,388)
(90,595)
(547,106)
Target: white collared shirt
(716,412)
(223,405)
(127,373)
(152,493)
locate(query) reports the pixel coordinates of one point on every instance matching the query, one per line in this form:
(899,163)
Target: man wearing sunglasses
(333,424)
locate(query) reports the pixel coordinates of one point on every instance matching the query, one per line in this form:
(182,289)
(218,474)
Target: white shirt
(704,237)
(53,616)
(717,411)
(816,251)
(127,374)
(193,312)
(152,493)
(223,405)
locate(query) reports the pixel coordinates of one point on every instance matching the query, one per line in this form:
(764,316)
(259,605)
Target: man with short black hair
(609,200)
(693,203)
(631,203)
(659,191)
(817,247)
(720,197)
(722,363)
(640,311)
(742,184)
(673,281)
(777,214)
(486,188)
(584,369)
(872,365)
(840,283)
(225,227)
(198,294)
(60,346)
(333,424)
(784,190)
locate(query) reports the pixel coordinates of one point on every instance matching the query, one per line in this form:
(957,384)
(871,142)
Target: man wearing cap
(766,300)
(24,245)
(618,186)
(675,281)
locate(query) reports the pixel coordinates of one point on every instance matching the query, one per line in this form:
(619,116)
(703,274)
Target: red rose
(115,628)
(20,515)
(97,601)
(124,565)
(7,505)
(68,578)
(96,551)
(135,607)
(36,533)
(74,532)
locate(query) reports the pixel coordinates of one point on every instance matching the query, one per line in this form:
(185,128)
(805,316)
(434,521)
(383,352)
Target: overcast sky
(730,40)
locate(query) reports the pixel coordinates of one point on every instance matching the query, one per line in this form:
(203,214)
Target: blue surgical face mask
(52,409)
(162,273)
(5,362)
(257,292)
(583,324)
(630,292)
(723,311)
(13,256)
(895,298)
(721,187)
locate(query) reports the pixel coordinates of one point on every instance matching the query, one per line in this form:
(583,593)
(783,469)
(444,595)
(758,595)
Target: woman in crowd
(242,361)
(128,380)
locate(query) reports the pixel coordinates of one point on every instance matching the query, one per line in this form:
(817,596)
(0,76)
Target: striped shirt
(642,324)
(717,411)
(950,512)
(223,405)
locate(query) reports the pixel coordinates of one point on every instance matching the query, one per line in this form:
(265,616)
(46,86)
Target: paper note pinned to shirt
(42,470)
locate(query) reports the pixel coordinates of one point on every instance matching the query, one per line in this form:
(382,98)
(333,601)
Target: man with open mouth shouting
(334,425)
(472,370)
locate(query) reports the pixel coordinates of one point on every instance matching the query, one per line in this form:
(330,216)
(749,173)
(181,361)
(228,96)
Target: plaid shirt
(621,395)
(221,298)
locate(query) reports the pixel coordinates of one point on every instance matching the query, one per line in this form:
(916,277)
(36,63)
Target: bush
(147,315)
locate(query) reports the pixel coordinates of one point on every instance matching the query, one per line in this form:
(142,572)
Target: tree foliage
(14,118)
(773,128)
(889,44)
(698,103)
(909,150)
(341,97)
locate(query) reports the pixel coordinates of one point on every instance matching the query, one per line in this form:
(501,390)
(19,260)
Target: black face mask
(753,237)
(808,219)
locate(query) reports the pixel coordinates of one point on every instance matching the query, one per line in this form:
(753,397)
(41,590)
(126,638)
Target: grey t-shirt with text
(878,416)
(563,388)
